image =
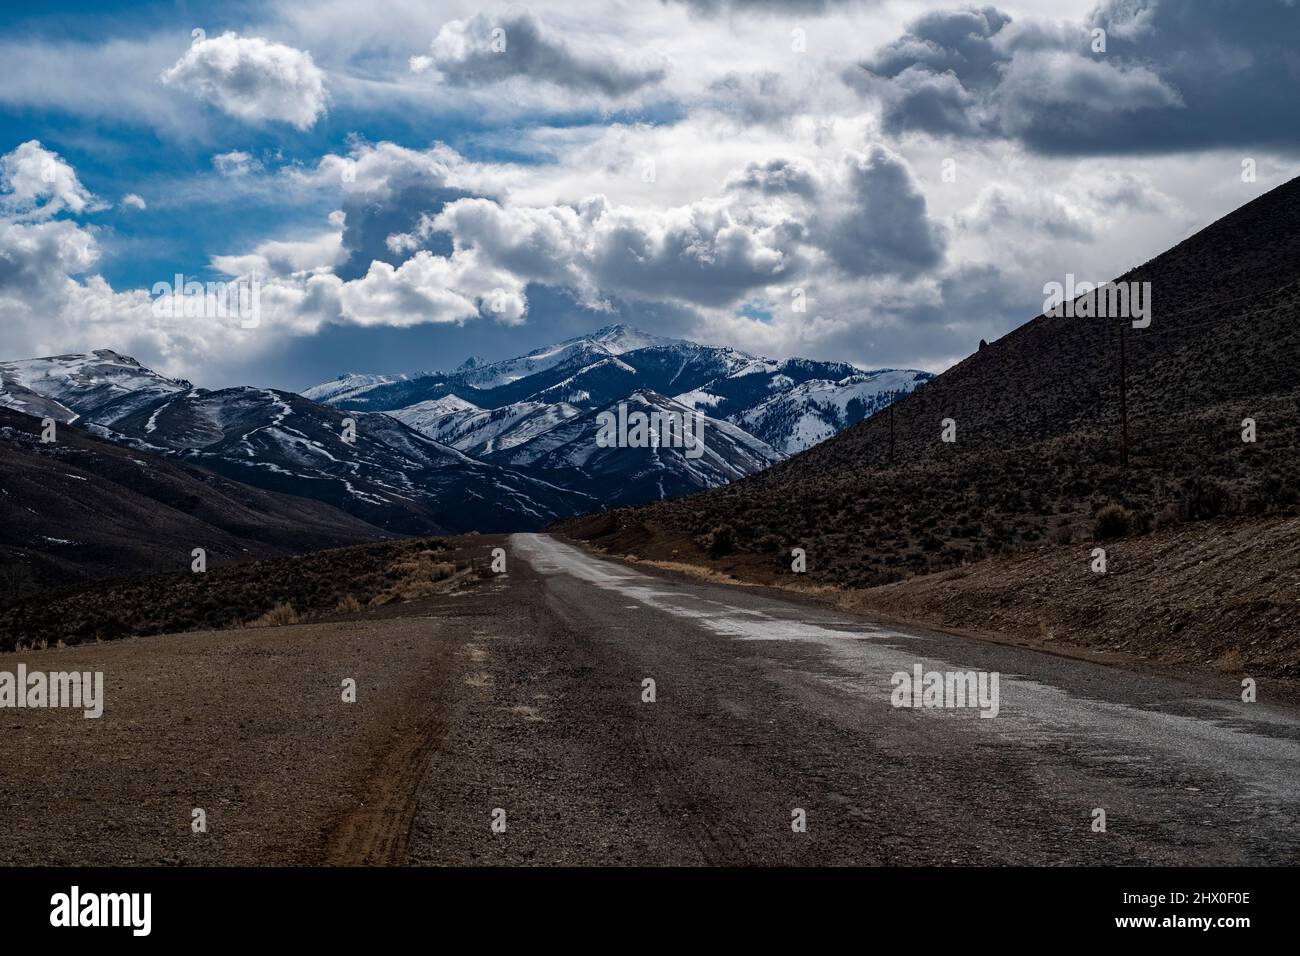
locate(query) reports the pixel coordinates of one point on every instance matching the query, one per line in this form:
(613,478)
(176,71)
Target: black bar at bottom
(335,905)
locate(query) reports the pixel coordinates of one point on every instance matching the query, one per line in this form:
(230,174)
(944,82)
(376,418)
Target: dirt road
(765,706)
(523,702)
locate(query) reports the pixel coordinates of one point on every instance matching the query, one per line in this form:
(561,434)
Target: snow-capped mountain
(814,410)
(389,475)
(788,404)
(570,454)
(578,352)
(348,385)
(480,432)
(102,385)
(489,446)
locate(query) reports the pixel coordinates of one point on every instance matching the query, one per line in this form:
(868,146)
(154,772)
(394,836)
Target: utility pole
(1123,398)
(893,397)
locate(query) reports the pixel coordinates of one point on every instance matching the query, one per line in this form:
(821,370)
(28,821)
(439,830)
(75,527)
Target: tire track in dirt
(377,831)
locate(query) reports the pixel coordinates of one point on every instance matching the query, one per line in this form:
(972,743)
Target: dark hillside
(83,509)
(1038,430)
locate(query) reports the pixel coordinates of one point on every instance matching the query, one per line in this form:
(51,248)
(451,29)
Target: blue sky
(410,183)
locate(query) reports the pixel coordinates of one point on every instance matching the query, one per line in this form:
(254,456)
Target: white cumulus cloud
(36,183)
(253,79)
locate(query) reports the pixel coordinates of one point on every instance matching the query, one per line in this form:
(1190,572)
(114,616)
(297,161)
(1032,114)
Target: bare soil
(248,725)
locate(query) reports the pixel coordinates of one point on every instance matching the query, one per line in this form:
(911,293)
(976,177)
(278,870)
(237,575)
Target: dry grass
(1230,661)
(278,616)
(693,570)
(1222,595)
(418,575)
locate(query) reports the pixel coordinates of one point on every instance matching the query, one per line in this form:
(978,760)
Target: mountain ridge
(492,447)
(589,371)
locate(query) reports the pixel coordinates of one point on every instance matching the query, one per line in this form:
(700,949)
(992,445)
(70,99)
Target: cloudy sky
(414,182)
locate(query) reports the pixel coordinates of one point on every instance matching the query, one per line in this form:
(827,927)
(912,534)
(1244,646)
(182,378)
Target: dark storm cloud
(935,103)
(370,220)
(881,227)
(956,41)
(1173,76)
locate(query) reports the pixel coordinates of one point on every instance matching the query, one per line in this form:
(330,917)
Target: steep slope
(390,475)
(1038,429)
(19,398)
(103,385)
(571,353)
(349,385)
(478,431)
(571,455)
(816,409)
(81,508)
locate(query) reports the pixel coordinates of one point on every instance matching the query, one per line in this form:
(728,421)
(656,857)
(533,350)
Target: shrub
(1113,521)
(1169,516)
(278,616)
(720,540)
(1205,499)
(1230,661)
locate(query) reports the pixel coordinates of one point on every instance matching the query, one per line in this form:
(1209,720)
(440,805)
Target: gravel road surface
(764,707)
(522,702)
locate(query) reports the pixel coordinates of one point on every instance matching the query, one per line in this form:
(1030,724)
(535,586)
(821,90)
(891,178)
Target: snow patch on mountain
(103,383)
(349,386)
(815,410)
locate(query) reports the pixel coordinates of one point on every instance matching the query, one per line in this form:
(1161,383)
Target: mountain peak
(620,337)
(108,355)
(103,382)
